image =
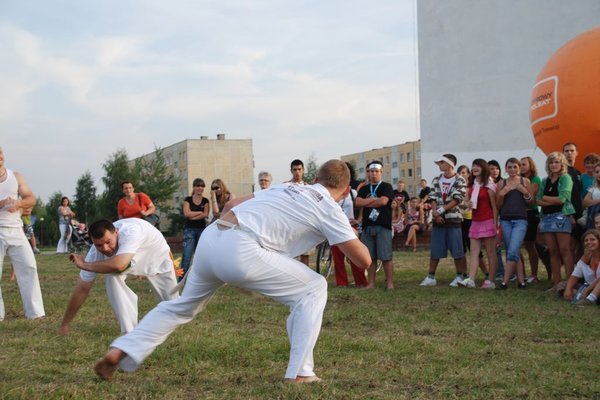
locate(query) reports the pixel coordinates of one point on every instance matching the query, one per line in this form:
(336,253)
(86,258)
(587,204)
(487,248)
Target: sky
(81,80)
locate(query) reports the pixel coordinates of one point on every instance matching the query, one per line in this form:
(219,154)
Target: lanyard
(373,192)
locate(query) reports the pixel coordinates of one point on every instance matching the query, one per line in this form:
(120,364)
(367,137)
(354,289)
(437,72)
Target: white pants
(124,301)
(234,257)
(14,243)
(63,242)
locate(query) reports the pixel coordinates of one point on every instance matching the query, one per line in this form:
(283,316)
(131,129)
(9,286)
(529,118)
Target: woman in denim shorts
(554,197)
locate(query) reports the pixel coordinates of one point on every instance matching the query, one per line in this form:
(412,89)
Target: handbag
(153,218)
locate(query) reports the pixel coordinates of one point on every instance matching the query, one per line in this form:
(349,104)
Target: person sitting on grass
(586,268)
(588,263)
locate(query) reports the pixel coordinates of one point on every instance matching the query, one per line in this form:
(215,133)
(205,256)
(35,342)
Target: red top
(126,210)
(484,210)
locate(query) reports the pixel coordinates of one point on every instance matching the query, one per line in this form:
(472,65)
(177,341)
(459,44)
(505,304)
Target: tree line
(150,175)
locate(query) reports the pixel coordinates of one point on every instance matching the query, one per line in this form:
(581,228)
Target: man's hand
(77,260)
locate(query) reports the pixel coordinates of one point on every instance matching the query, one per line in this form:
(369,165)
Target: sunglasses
(215,188)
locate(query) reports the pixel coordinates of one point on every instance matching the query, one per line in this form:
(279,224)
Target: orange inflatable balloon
(565,102)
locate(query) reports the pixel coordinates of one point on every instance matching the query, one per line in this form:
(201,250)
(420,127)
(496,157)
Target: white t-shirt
(292,219)
(595,192)
(138,237)
(347,205)
(582,270)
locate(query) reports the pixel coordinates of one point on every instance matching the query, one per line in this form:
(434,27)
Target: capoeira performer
(15,194)
(253,247)
(130,246)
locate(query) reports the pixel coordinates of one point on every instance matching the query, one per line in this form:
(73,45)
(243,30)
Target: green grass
(407,343)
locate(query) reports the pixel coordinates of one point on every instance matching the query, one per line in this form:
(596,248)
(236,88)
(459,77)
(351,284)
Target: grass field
(408,343)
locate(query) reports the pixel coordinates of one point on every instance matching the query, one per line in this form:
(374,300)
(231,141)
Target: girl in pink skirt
(482,201)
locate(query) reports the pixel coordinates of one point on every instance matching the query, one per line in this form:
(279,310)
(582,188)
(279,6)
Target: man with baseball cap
(376,200)
(448,191)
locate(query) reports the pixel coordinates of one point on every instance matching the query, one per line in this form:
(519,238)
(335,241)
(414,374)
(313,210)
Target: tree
(85,202)
(116,169)
(155,179)
(311,168)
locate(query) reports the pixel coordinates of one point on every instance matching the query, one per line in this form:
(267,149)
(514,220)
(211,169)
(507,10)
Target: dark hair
(198,182)
(569,144)
(497,165)
(593,157)
(451,157)
(63,199)
(463,167)
(99,228)
(512,160)
(124,182)
(295,163)
(352,171)
(485,171)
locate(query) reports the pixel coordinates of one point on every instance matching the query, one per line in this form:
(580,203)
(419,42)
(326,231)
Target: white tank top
(10,188)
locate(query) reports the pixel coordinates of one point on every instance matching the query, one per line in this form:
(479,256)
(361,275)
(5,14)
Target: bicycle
(323,265)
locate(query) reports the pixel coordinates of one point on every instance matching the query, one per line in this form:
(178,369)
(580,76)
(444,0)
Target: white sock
(592,297)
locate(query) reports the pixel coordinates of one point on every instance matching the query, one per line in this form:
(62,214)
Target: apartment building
(400,162)
(231,160)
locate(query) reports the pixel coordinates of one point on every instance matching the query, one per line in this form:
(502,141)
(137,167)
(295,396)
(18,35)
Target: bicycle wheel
(324,259)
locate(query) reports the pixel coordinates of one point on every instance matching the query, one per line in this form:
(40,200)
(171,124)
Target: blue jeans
(513,232)
(190,241)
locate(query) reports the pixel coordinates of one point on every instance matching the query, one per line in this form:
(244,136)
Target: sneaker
(468,283)
(499,277)
(513,278)
(522,286)
(487,284)
(532,279)
(456,281)
(428,282)
(503,286)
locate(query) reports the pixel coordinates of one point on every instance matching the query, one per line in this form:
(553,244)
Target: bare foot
(107,365)
(303,379)
(370,286)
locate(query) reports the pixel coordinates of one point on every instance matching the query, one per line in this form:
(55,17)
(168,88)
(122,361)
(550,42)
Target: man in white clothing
(15,195)
(253,247)
(130,246)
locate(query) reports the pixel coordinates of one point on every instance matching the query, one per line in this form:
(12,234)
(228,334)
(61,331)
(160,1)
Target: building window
(403,173)
(401,157)
(418,171)
(410,172)
(408,157)
(361,170)
(418,154)
(395,181)
(395,164)
(387,159)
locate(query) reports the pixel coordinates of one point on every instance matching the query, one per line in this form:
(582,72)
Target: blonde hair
(556,155)
(334,174)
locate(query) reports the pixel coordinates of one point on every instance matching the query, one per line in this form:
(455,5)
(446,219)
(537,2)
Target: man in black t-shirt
(401,195)
(375,198)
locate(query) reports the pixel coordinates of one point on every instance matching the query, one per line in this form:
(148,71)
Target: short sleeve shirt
(292,219)
(138,237)
(134,210)
(384,216)
(582,270)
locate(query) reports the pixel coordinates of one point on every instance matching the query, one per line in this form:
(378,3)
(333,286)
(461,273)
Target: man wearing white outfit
(253,247)
(15,195)
(130,246)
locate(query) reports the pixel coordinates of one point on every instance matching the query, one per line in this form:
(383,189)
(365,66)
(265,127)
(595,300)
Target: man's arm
(26,200)
(357,252)
(78,297)
(236,201)
(117,263)
(372,202)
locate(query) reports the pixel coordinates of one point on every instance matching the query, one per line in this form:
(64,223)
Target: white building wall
(478,60)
